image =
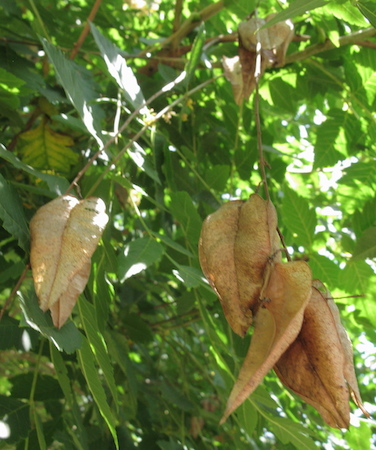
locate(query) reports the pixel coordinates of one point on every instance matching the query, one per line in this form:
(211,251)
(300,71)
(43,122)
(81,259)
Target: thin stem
(113,139)
(282,238)
(86,29)
(14,290)
(259,142)
(137,136)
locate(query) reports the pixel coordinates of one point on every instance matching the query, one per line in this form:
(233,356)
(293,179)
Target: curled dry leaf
(64,234)
(235,245)
(277,325)
(318,364)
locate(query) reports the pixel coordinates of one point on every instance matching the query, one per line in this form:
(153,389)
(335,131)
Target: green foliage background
(147,359)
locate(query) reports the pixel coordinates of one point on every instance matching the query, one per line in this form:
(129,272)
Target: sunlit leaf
(117,66)
(366,245)
(298,217)
(137,256)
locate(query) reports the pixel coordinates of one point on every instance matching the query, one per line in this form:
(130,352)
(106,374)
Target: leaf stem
(161,113)
(86,29)
(14,290)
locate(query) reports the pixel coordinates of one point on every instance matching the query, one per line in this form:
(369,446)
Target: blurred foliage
(147,360)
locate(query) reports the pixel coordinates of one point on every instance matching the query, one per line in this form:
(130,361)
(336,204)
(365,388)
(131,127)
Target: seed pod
(64,234)
(314,365)
(235,245)
(277,324)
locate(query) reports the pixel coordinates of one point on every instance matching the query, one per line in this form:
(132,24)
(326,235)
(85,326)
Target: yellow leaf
(45,149)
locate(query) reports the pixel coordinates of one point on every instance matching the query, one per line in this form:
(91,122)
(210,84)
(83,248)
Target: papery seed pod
(64,234)
(314,365)
(277,324)
(235,245)
(348,371)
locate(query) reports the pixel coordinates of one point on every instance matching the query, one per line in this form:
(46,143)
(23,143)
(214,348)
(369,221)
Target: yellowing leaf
(277,325)
(64,234)
(46,149)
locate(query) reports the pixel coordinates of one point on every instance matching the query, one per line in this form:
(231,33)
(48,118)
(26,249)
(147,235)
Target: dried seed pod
(348,371)
(235,245)
(315,366)
(277,325)
(64,234)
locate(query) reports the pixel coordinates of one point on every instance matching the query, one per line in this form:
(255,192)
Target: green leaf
(190,276)
(216,177)
(119,349)
(39,430)
(360,436)
(296,8)
(143,161)
(97,344)
(45,149)
(324,269)
(15,416)
(326,150)
(86,361)
(117,66)
(12,214)
(366,245)
(355,277)
(12,336)
(57,184)
(170,243)
(46,387)
(62,374)
(137,256)
(359,173)
(368,9)
(195,54)
(67,338)
(137,329)
(185,212)
(78,86)
(177,398)
(241,8)
(283,95)
(288,431)
(298,217)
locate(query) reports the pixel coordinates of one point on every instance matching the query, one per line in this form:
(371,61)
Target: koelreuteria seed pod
(64,234)
(235,245)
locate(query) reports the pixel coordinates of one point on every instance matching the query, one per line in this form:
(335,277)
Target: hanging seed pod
(64,234)
(277,324)
(235,245)
(318,365)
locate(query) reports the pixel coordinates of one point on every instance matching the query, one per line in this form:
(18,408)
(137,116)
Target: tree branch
(86,29)
(349,39)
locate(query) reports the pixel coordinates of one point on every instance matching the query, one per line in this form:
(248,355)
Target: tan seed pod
(235,244)
(277,325)
(314,366)
(64,234)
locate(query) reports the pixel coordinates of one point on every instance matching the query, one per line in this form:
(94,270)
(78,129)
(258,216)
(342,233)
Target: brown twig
(86,29)
(282,239)
(189,25)
(14,290)
(349,39)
